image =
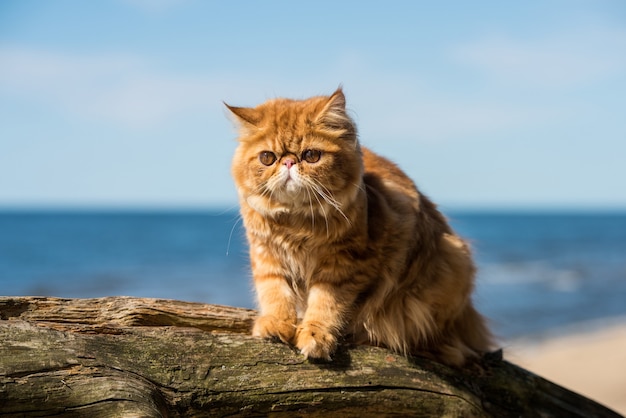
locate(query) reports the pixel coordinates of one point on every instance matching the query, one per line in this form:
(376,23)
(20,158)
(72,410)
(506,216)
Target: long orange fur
(343,244)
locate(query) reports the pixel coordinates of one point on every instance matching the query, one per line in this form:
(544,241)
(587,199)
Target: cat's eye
(267,158)
(311,155)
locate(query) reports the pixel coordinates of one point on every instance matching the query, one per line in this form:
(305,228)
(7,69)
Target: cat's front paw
(314,341)
(271,327)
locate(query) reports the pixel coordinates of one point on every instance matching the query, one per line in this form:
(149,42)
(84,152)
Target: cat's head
(297,156)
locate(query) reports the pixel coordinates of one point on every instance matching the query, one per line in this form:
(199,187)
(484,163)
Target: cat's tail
(467,339)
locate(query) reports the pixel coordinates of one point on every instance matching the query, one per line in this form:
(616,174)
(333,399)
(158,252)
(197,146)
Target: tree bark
(134,357)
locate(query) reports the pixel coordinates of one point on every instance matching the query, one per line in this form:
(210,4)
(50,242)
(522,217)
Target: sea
(538,273)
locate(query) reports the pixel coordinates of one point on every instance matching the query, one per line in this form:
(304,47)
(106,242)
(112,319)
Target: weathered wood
(156,358)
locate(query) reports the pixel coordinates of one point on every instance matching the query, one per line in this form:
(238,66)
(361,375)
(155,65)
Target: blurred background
(115,147)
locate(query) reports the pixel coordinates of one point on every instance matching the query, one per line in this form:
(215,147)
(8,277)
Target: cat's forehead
(287,125)
(286,113)
(289,118)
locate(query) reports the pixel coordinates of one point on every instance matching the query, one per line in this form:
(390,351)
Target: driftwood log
(128,357)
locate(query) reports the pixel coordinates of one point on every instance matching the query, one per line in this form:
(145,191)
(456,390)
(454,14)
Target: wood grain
(121,357)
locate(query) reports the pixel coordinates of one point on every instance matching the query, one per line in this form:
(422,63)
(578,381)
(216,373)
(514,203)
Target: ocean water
(538,272)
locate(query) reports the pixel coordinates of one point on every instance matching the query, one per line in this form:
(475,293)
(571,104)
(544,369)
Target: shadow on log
(161,358)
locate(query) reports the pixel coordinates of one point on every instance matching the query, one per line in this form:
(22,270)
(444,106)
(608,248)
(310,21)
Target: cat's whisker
(329,198)
(308,192)
(230,236)
(309,186)
(321,191)
(270,186)
(323,213)
(262,190)
(361,186)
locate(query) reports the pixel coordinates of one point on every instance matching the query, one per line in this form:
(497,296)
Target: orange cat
(343,244)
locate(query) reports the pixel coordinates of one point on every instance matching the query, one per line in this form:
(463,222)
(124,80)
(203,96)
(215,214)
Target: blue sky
(486,104)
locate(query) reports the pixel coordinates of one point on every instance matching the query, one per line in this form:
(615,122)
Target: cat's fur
(345,245)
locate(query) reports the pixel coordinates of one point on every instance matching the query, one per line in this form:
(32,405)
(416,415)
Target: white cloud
(117,88)
(155,6)
(35,70)
(529,88)
(578,56)
(151,100)
(437,120)
(403,109)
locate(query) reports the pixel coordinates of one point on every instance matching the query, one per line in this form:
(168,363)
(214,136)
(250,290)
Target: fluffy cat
(343,244)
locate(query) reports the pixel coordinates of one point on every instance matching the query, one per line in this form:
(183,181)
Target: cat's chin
(270,208)
(288,204)
(291,188)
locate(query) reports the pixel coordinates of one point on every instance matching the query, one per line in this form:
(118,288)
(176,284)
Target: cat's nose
(289,162)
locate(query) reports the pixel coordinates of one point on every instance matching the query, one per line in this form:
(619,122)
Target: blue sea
(538,272)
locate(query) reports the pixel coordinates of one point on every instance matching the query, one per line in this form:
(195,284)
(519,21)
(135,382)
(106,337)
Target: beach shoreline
(588,358)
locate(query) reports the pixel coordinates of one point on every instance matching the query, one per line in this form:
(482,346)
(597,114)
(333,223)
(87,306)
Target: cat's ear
(334,108)
(248,117)
(333,115)
(337,100)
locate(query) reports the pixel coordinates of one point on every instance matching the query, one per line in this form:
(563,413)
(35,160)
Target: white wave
(528,272)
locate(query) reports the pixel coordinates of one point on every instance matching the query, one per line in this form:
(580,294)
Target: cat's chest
(298,258)
(296,250)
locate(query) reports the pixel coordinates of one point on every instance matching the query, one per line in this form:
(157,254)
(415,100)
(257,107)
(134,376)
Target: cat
(342,243)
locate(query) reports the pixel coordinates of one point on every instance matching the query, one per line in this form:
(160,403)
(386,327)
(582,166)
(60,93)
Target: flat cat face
(297,156)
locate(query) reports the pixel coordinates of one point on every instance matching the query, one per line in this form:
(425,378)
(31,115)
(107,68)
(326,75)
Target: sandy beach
(589,359)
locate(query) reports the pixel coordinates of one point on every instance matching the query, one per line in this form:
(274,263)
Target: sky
(485,104)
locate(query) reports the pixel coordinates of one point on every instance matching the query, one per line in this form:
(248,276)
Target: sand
(590,360)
